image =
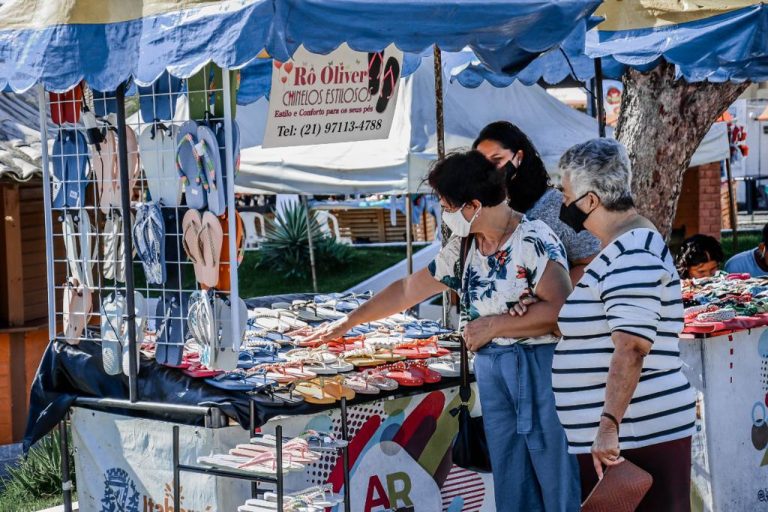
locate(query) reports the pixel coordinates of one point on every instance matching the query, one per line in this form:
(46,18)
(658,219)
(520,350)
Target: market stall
(725,351)
(144,343)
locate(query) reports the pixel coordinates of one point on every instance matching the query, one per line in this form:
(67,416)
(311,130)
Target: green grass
(746,240)
(257,281)
(11,502)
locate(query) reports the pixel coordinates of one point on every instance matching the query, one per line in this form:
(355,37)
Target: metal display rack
(82,226)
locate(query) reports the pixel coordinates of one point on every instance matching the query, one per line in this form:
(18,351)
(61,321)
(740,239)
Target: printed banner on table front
(399,456)
(340,97)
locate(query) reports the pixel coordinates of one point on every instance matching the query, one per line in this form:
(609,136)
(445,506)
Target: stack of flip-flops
(114,331)
(313,499)
(725,302)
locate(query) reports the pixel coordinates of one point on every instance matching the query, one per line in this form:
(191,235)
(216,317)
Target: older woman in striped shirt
(619,389)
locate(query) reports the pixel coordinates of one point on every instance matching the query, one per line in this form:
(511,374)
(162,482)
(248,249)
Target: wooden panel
(14,308)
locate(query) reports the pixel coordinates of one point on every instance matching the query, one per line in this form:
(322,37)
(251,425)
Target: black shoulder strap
(464,390)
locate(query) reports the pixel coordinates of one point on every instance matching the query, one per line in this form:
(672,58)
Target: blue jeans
(532,469)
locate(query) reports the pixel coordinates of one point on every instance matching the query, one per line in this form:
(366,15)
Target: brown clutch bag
(621,489)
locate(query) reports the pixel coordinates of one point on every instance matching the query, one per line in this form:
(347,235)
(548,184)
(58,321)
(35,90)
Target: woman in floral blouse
(508,257)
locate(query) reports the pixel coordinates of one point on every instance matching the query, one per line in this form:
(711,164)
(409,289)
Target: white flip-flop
(157,147)
(78,304)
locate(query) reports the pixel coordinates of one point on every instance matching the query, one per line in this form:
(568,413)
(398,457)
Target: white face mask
(456,222)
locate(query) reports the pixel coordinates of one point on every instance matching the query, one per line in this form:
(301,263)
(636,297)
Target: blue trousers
(532,469)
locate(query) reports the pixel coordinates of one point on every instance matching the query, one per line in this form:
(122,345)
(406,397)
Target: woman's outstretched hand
(329,331)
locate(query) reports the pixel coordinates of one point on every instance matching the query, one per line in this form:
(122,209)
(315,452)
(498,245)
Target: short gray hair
(600,166)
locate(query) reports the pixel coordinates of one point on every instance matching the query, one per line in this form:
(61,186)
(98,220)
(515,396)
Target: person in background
(699,256)
(530,190)
(507,257)
(752,262)
(617,373)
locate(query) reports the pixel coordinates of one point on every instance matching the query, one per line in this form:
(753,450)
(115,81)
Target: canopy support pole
(599,96)
(125,210)
(731,210)
(409,233)
(440,136)
(47,218)
(311,244)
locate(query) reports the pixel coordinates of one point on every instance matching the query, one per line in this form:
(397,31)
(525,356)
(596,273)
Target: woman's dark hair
(696,250)
(462,177)
(531,180)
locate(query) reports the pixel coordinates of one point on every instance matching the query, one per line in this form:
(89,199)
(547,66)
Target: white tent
(399,163)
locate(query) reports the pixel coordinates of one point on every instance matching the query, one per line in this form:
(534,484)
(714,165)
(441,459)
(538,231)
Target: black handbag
(470,449)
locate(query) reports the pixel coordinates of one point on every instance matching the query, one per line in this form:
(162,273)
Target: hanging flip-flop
(149,239)
(157,148)
(170,312)
(105,170)
(190,166)
(218,128)
(140,312)
(71,169)
(210,240)
(230,340)
(202,324)
(208,151)
(112,310)
(113,247)
(158,101)
(66,106)
(80,246)
(191,226)
(224,277)
(389,84)
(78,304)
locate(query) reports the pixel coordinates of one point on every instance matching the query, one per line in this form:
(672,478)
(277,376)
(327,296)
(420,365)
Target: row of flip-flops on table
(328,373)
(725,302)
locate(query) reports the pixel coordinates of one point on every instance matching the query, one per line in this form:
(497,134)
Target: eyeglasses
(452,209)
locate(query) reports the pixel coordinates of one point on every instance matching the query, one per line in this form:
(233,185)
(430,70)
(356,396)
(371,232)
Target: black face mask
(509,170)
(572,216)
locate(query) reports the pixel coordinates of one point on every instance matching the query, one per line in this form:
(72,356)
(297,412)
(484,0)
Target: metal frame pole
(125,210)
(176,471)
(66,483)
(731,211)
(440,136)
(599,96)
(345,455)
(48,220)
(234,287)
(311,244)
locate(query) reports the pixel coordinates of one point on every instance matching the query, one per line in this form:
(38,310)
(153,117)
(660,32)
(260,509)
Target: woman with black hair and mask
(530,190)
(495,257)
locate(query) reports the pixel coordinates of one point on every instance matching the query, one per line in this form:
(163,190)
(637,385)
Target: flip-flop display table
(724,349)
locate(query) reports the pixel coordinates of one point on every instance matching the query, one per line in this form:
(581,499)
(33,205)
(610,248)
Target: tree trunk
(661,122)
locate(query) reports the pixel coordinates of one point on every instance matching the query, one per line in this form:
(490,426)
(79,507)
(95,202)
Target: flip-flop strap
(208,163)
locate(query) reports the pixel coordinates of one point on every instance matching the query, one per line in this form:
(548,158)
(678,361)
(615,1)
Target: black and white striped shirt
(631,286)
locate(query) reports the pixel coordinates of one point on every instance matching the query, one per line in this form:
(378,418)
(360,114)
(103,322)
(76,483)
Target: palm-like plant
(286,246)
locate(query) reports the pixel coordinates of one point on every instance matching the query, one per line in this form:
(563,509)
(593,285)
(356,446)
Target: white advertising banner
(340,97)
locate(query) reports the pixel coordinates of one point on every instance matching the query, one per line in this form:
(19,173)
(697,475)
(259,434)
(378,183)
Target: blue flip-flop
(149,239)
(238,382)
(218,129)
(212,166)
(190,166)
(70,169)
(170,316)
(158,101)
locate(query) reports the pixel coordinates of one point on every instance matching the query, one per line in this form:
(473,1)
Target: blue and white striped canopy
(106,42)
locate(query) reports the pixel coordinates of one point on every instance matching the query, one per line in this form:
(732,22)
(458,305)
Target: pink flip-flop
(211,240)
